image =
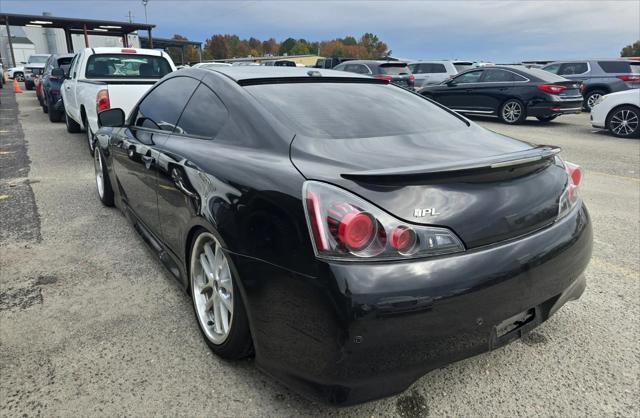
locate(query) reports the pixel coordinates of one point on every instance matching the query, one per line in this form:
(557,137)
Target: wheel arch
(83,117)
(593,87)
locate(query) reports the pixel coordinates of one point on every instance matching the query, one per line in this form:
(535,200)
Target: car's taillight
(569,197)
(102,100)
(384,77)
(551,88)
(412,77)
(346,227)
(631,77)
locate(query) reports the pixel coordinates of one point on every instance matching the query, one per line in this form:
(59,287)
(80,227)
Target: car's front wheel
(624,121)
(512,112)
(18,76)
(217,302)
(103,184)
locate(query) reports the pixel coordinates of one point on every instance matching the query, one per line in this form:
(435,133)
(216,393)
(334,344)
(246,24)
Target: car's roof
(111,50)
(378,62)
(247,72)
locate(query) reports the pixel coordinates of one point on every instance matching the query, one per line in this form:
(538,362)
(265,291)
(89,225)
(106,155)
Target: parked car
(55,71)
(280,63)
(16,73)
(395,72)
(353,242)
(330,63)
(33,68)
(619,113)
(210,64)
(598,77)
(100,78)
(435,72)
(512,93)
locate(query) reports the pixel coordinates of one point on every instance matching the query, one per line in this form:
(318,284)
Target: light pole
(144,3)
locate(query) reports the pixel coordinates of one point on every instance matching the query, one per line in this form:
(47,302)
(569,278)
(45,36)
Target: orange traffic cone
(16,86)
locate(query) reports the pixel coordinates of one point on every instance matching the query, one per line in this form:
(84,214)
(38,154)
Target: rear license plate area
(514,327)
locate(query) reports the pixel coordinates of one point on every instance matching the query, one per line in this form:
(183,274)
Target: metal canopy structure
(72,25)
(165,43)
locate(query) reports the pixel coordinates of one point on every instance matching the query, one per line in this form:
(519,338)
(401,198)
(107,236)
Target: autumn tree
(190,51)
(632,50)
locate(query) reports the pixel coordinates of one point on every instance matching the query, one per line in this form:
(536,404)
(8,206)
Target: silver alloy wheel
(511,111)
(624,122)
(20,77)
(593,98)
(212,288)
(97,162)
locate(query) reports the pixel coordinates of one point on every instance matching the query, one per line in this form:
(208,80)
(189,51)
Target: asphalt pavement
(92,324)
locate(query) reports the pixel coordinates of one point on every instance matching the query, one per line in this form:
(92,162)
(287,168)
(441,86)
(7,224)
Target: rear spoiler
(504,161)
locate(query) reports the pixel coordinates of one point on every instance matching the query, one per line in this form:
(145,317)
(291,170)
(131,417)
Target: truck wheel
(72,126)
(18,76)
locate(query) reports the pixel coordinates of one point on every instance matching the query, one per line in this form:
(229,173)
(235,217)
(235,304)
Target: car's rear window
(615,66)
(127,66)
(64,61)
(352,110)
(394,69)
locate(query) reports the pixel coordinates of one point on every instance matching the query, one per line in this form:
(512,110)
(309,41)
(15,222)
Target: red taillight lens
(128,50)
(412,77)
(629,77)
(551,88)
(102,100)
(574,172)
(345,227)
(384,77)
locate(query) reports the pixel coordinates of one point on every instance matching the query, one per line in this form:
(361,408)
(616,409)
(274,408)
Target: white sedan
(619,113)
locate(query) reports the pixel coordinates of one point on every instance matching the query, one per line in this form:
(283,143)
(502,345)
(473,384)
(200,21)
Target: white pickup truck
(102,78)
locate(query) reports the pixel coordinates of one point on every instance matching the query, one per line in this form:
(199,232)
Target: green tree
(286,46)
(300,48)
(349,40)
(632,50)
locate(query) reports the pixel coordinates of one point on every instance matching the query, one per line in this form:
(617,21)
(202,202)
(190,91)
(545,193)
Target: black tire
(618,114)
(512,112)
(238,343)
(18,76)
(54,115)
(546,119)
(90,137)
(72,126)
(590,97)
(102,179)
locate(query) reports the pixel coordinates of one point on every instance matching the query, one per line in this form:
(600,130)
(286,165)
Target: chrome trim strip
(487,112)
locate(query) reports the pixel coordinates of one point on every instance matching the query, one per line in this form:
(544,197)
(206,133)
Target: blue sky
(499,31)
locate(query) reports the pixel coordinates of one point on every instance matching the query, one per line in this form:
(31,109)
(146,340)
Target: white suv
(435,72)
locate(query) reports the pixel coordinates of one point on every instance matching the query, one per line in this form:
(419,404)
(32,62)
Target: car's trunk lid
(483,186)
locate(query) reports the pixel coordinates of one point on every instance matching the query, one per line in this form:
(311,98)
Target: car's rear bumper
(362,331)
(552,108)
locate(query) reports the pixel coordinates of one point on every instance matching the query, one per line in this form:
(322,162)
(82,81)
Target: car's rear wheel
(512,112)
(54,115)
(72,126)
(545,119)
(217,302)
(624,122)
(103,184)
(591,98)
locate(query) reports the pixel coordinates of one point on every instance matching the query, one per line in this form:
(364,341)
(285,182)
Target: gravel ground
(91,324)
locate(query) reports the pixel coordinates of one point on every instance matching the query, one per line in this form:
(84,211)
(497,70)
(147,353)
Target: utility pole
(144,3)
(130,16)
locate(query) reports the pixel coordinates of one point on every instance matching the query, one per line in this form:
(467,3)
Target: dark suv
(52,83)
(395,72)
(598,77)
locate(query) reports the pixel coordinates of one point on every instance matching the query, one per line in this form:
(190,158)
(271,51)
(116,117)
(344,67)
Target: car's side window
(162,106)
(204,115)
(470,77)
(498,76)
(432,68)
(572,68)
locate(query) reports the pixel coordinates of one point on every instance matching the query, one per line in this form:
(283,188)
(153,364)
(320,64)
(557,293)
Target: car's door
(134,149)
(181,179)
(459,93)
(496,86)
(71,87)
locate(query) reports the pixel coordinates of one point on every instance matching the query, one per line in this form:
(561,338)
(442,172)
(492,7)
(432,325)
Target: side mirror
(58,73)
(111,117)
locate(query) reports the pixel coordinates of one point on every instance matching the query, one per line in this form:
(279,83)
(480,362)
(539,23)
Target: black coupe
(349,233)
(509,92)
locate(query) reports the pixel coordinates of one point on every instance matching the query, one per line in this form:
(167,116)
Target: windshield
(462,66)
(127,66)
(38,59)
(352,110)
